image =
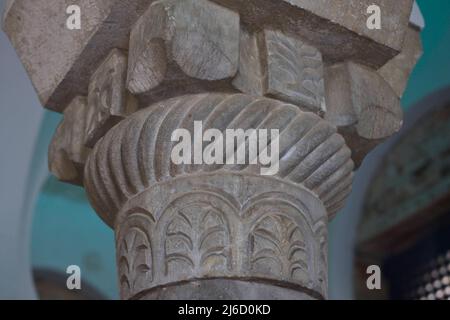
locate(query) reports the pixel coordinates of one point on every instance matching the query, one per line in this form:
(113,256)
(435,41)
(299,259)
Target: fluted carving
(136,154)
(220,228)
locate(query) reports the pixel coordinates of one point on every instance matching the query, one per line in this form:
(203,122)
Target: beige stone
(336,28)
(251,77)
(274,64)
(397,71)
(352,15)
(200,37)
(203,231)
(364,99)
(67,153)
(108,101)
(227,214)
(362,104)
(60,61)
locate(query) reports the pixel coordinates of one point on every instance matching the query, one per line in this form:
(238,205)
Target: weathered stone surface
(295,71)
(396,72)
(251,77)
(362,104)
(7,6)
(219,221)
(200,37)
(60,61)
(109,101)
(205,40)
(224,289)
(222,226)
(283,67)
(67,153)
(337,29)
(352,14)
(148,55)
(206,49)
(178,226)
(311,152)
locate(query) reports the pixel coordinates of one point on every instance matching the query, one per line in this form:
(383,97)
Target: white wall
(20,119)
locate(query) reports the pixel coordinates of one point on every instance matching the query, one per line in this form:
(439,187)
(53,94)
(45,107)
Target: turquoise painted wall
(66,231)
(433,70)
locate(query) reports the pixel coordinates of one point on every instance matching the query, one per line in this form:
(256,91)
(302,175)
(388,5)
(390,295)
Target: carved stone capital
(136,153)
(241,230)
(139,70)
(220,221)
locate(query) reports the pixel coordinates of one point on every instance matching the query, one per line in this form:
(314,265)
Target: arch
(343,231)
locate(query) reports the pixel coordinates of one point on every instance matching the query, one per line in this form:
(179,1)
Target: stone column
(310,69)
(219,231)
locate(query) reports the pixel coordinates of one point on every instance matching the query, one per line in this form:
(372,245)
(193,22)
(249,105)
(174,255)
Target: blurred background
(397,217)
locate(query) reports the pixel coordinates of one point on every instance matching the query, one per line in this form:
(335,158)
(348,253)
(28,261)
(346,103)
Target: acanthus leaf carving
(135,252)
(108,100)
(278,247)
(197,238)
